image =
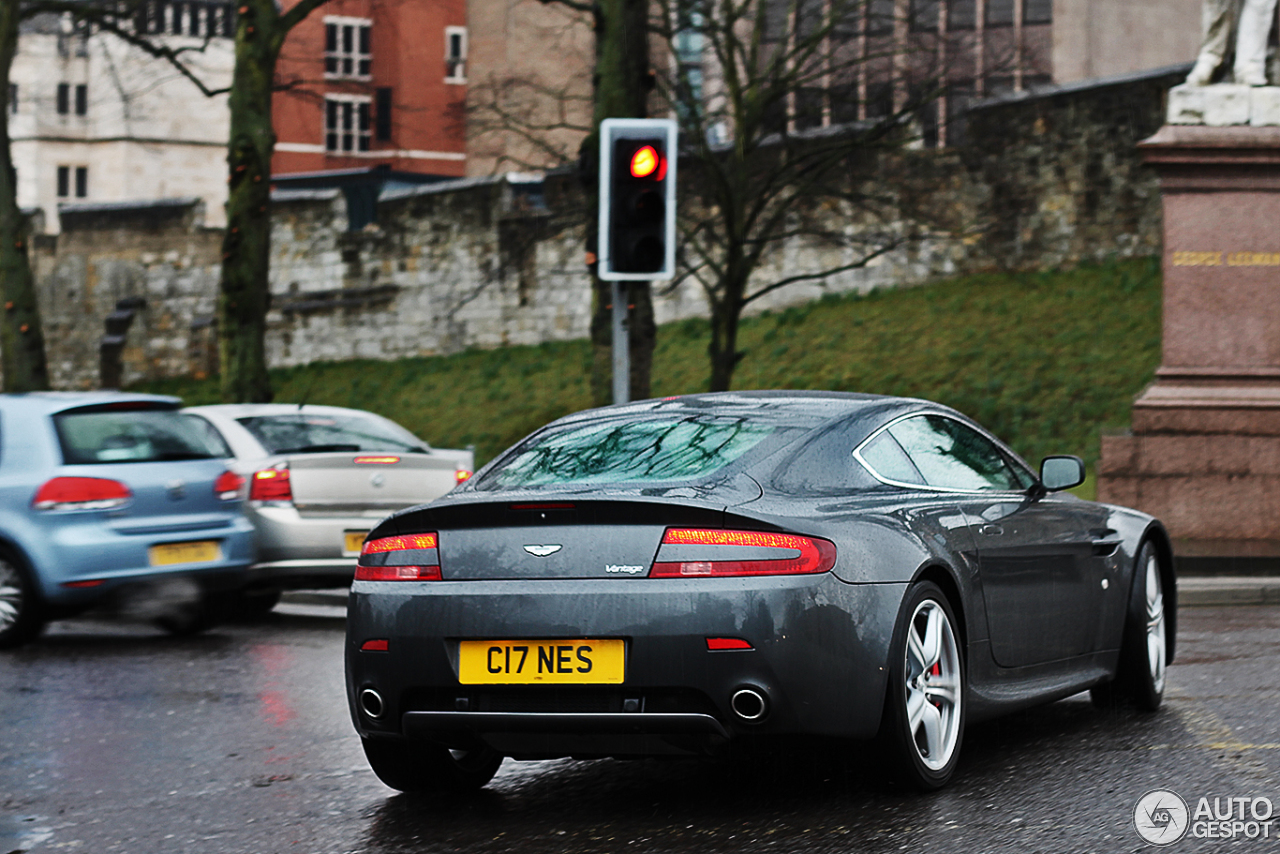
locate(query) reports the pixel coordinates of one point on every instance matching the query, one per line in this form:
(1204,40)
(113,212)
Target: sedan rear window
(131,436)
(658,450)
(316,434)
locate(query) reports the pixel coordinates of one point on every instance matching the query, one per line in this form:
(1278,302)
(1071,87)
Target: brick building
(374,82)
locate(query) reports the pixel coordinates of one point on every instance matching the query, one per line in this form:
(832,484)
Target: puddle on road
(23,832)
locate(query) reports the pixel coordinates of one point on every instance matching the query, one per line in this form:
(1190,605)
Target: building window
(64,181)
(82,100)
(962,14)
(64,98)
(999,13)
(207,18)
(346,123)
(924,16)
(382,114)
(455,54)
(82,182)
(880,17)
(347,51)
(1037,11)
(13,99)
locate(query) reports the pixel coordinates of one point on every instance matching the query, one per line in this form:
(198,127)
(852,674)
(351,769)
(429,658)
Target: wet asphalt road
(116,738)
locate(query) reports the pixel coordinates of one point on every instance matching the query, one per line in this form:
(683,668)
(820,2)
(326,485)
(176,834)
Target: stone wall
(1045,180)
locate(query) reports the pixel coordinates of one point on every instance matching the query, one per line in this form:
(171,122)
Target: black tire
(21,611)
(416,766)
(926,685)
(1140,673)
(191,618)
(253,603)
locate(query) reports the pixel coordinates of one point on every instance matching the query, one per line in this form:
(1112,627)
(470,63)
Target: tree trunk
(21,335)
(244,293)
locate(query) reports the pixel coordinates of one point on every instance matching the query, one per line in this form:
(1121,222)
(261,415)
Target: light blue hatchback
(108,498)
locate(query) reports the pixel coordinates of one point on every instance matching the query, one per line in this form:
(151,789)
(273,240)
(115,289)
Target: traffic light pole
(621,344)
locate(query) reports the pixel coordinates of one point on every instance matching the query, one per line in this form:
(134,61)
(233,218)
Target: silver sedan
(319,478)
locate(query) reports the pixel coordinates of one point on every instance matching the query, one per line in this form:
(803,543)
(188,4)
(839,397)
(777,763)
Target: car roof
(811,407)
(49,402)
(255,410)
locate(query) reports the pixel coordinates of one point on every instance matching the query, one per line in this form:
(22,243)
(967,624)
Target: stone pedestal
(1204,454)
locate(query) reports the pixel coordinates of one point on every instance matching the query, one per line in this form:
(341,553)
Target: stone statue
(1252,20)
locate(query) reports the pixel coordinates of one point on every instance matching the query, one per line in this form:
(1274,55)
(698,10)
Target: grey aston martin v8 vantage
(679,576)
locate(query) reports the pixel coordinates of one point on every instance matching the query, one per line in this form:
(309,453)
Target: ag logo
(1161,817)
(542,550)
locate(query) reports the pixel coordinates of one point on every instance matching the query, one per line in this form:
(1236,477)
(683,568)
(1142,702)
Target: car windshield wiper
(317,449)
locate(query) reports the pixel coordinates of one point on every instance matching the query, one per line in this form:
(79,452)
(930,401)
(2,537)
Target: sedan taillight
(407,557)
(81,493)
(228,485)
(694,553)
(271,484)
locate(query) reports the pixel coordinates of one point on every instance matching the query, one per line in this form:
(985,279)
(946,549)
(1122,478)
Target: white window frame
(455,66)
(343,64)
(347,106)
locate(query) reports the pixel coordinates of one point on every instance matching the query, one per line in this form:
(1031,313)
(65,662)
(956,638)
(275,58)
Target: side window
(884,456)
(952,456)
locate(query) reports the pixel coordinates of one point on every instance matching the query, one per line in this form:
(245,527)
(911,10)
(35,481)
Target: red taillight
(462,474)
(378,645)
(81,493)
(271,485)
(403,543)
(399,558)
(228,485)
(814,555)
(719,644)
(397,573)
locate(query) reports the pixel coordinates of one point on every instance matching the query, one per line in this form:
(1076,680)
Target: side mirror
(1060,472)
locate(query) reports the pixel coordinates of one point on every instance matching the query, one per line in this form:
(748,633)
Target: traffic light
(637,199)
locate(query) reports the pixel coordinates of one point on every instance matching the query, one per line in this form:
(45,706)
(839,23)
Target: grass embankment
(1045,360)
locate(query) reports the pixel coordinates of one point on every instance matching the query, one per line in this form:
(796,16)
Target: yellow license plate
(204,551)
(505,662)
(353,541)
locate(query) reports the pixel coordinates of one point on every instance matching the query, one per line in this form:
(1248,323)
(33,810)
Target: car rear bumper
(80,564)
(818,658)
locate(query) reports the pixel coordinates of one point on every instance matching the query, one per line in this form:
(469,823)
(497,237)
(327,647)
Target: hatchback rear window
(659,450)
(131,436)
(315,434)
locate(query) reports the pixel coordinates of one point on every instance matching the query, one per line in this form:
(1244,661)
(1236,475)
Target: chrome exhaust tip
(371,703)
(749,704)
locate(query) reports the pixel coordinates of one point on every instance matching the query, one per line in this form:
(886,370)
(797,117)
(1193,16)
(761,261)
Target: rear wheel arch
(942,576)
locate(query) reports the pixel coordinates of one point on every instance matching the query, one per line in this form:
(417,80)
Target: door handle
(991,530)
(1105,548)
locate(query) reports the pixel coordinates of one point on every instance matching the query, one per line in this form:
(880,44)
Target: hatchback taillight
(81,493)
(271,484)
(407,557)
(463,474)
(228,485)
(728,553)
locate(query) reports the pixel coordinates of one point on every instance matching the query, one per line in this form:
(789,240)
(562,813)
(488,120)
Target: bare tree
(784,108)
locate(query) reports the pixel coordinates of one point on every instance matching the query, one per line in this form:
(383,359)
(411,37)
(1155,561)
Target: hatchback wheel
(413,766)
(21,617)
(923,724)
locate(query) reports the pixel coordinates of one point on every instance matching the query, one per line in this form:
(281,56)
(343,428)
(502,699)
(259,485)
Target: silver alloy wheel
(11,595)
(1155,624)
(934,690)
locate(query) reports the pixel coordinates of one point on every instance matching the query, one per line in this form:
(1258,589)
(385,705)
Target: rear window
(131,436)
(316,434)
(659,450)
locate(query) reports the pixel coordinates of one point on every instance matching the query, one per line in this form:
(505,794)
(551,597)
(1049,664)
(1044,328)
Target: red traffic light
(647,162)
